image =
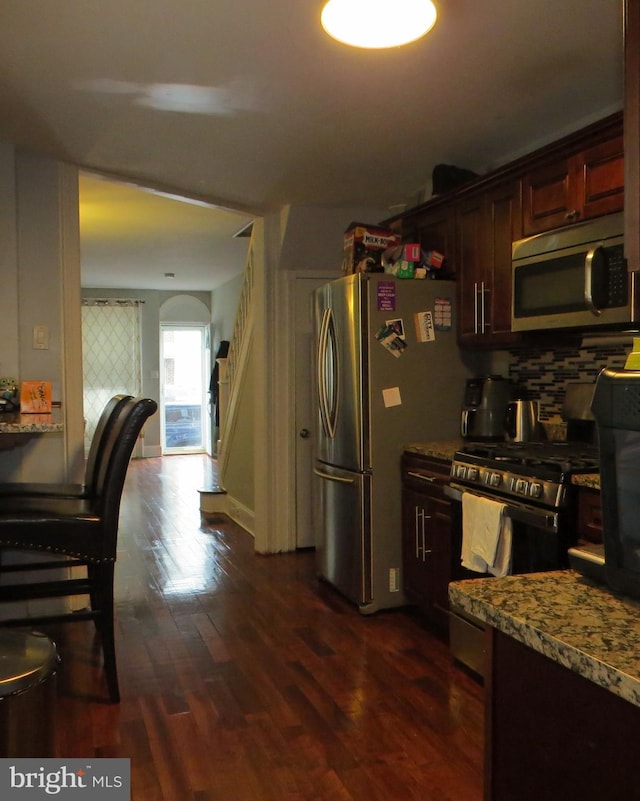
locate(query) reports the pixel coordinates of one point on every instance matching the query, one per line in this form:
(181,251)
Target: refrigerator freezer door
(341,333)
(343,547)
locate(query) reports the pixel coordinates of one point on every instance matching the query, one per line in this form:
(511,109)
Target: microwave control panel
(617,280)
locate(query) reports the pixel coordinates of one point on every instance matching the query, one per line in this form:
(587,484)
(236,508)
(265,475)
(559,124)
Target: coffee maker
(484,408)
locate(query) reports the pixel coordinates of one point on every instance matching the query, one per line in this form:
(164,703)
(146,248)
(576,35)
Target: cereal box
(363,248)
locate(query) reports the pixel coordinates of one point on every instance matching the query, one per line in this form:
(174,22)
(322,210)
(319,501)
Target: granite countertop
(16,423)
(438,449)
(564,616)
(591,480)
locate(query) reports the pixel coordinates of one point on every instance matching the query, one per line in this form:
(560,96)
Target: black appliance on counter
(616,407)
(484,407)
(532,480)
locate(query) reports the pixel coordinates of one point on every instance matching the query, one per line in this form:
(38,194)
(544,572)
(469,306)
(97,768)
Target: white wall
(39,256)
(293,239)
(9,358)
(184,309)
(313,236)
(224,306)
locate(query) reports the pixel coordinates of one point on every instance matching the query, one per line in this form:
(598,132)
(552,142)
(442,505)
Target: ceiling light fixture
(378,24)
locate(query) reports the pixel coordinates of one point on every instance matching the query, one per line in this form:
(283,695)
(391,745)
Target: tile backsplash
(544,374)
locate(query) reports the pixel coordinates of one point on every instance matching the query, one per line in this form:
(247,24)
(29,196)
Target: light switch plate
(41,337)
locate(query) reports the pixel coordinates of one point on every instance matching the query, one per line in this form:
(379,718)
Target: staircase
(236,362)
(213,497)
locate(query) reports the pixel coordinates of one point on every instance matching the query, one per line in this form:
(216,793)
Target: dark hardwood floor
(244,678)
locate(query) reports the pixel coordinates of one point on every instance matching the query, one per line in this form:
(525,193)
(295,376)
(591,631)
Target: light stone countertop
(564,616)
(16,423)
(438,449)
(591,480)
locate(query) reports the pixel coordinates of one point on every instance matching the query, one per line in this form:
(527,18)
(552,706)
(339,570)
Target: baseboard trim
(240,514)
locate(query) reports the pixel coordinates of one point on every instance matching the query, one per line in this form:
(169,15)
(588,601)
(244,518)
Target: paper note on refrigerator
(391,397)
(425,332)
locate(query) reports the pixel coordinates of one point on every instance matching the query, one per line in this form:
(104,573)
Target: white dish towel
(486,536)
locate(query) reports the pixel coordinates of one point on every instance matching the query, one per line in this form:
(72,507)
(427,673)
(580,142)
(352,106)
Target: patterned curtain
(111,360)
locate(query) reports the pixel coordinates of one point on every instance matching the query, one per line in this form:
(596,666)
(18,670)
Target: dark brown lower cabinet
(589,515)
(553,734)
(427,546)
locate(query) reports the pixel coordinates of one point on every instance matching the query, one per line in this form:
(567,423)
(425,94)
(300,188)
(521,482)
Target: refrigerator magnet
(398,326)
(442,314)
(391,397)
(386,291)
(425,331)
(391,340)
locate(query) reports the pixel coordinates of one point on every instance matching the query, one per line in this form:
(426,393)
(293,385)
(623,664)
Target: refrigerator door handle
(339,479)
(327,350)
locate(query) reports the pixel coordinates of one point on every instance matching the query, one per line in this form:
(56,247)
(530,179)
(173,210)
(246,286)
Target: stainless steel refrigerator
(389,373)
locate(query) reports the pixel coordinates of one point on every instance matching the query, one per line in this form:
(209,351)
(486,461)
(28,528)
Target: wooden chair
(107,419)
(81,531)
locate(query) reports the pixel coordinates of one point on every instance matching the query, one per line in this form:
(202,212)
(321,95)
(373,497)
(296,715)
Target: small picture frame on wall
(35,397)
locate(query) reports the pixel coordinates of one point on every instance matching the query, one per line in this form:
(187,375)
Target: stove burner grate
(561,458)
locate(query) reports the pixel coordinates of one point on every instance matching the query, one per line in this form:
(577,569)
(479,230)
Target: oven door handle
(530,516)
(520,512)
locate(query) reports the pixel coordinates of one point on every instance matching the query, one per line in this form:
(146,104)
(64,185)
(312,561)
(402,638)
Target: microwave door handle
(595,274)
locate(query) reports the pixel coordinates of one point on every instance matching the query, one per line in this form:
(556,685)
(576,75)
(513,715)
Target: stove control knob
(495,479)
(472,474)
(461,471)
(521,486)
(535,490)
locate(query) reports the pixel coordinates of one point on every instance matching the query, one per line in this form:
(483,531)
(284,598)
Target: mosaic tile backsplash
(544,374)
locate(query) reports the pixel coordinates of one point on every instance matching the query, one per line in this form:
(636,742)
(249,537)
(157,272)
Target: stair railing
(236,361)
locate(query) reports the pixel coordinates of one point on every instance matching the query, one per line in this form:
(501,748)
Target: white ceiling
(250,105)
(131,239)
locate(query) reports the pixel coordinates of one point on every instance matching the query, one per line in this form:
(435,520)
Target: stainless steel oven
(532,482)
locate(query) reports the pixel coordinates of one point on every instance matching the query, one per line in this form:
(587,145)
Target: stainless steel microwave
(573,277)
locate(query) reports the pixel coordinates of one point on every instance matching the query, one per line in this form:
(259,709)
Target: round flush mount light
(377,24)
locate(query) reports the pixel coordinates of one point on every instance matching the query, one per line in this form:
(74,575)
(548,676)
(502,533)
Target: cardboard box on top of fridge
(363,248)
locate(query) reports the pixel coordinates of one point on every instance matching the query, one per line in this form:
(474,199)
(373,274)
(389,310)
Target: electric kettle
(521,421)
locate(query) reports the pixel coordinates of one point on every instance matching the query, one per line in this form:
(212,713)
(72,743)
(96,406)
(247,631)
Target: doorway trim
(315,278)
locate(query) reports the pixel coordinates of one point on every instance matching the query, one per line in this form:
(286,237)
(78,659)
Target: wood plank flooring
(243,678)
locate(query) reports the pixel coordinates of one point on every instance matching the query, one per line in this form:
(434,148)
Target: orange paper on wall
(35,397)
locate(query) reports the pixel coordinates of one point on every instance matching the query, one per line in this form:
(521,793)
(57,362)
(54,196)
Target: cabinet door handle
(422,477)
(483,291)
(475,308)
(419,530)
(421,534)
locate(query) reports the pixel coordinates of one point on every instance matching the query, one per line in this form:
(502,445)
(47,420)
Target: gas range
(537,473)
